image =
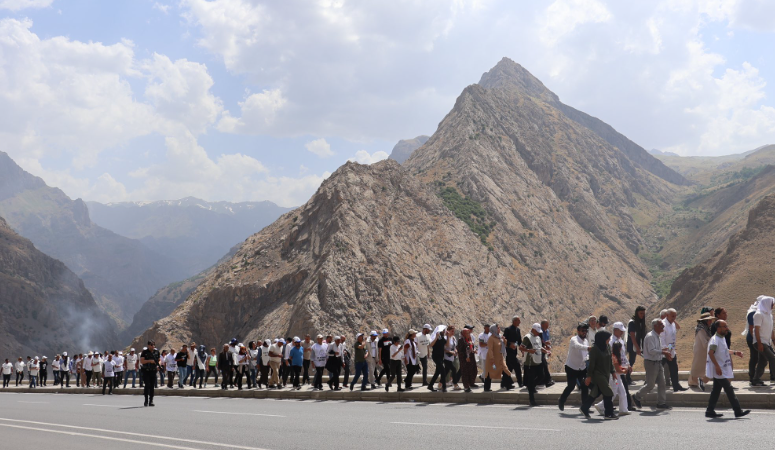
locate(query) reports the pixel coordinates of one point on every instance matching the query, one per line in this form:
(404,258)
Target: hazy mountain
(193,232)
(44,308)
(513,205)
(121,273)
(404,148)
(656,152)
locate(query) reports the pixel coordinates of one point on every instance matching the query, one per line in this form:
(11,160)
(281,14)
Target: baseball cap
(537,327)
(131,349)
(296,339)
(374,333)
(427,326)
(620,326)
(385,331)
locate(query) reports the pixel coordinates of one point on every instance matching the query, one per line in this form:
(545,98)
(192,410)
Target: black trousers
(43,377)
(346,375)
(533,375)
(546,377)
(506,382)
(672,366)
(19,377)
(411,370)
(718,385)
(318,382)
(285,370)
(238,376)
(264,378)
(6,380)
(296,375)
(575,378)
(118,378)
(305,378)
(753,361)
(608,404)
(395,373)
(64,375)
(631,357)
(214,371)
(88,377)
(226,379)
(442,368)
(385,371)
(424,363)
(149,384)
(512,362)
(107,382)
(333,376)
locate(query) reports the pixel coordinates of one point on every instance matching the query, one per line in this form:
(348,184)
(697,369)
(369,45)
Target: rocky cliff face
(44,307)
(405,147)
(120,273)
(510,207)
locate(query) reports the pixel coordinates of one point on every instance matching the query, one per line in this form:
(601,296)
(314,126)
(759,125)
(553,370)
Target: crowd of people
(599,362)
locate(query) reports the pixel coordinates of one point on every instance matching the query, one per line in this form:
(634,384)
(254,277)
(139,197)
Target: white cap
(131,349)
(385,331)
(296,339)
(145,348)
(44,357)
(374,333)
(427,326)
(64,353)
(120,353)
(537,327)
(620,326)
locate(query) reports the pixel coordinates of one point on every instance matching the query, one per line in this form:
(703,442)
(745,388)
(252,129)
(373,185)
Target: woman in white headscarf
(753,359)
(762,337)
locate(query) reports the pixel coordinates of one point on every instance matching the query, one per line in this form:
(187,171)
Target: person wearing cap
(384,355)
(118,360)
(96,366)
(64,371)
(484,336)
(372,357)
(411,357)
(275,359)
(306,344)
(423,346)
(7,371)
(297,362)
(130,367)
(43,371)
(534,351)
(619,332)
(653,352)
(319,356)
(34,368)
(576,365)
(719,367)
(361,366)
(467,350)
(702,335)
(636,332)
(87,369)
(334,364)
(149,363)
(396,357)
(512,337)
(225,365)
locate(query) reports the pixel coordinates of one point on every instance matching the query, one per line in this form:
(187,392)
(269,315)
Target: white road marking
(109,406)
(21,401)
(217,444)
(237,414)
(472,426)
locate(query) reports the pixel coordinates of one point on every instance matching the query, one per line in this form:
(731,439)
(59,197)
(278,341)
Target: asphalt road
(121,422)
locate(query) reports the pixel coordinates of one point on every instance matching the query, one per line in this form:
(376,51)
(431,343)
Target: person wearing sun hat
(702,334)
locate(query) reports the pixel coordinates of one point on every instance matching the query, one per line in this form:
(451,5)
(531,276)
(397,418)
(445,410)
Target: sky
(237,100)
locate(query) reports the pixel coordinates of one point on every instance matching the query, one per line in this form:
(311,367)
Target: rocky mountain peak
(507,74)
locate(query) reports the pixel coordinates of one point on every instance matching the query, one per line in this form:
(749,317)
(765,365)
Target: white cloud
(563,16)
(320,147)
(17,5)
(161,7)
(363,157)
(258,114)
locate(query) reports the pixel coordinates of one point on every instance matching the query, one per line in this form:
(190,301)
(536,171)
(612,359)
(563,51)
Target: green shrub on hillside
(469,211)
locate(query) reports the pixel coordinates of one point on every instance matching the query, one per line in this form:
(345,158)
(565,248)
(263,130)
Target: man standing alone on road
(652,361)
(719,368)
(149,361)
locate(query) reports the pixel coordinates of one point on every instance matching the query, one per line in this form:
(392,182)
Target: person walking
(702,335)
(43,371)
(546,343)
(263,363)
(372,357)
(334,364)
(131,365)
(361,365)
(652,360)
(346,359)
(171,366)
(306,345)
(622,363)
(384,355)
(118,372)
(467,350)
(576,365)
(396,356)
(191,365)
(297,363)
(719,367)
(495,363)
(225,363)
(636,332)
(212,367)
(670,337)
(411,358)
(319,356)
(533,360)
(96,366)
(423,347)
(275,359)
(34,369)
(241,365)
(87,369)
(200,365)
(753,358)
(7,371)
(162,369)
(618,387)
(149,363)
(484,336)
(64,374)
(20,365)
(108,373)
(512,337)
(55,369)
(438,342)
(762,339)
(182,361)
(601,369)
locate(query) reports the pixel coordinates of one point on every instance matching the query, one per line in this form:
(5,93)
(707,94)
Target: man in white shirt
(55,366)
(669,341)
(118,372)
(275,359)
(319,355)
(423,344)
(7,370)
(484,336)
(719,367)
(576,365)
(87,368)
(763,335)
(372,358)
(652,361)
(109,366)
(64,374)
(20,370)
(130,367)
(96,367)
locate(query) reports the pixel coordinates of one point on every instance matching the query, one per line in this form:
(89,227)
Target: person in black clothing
(182,359)
(225,364)
(721,314)
(636,332)
(334,364)
(438,346)
(43,374)
(149,364)
(384,344)
(513,337)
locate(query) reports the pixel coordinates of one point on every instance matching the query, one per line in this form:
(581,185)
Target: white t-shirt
(96,363)
(412,359)
(55,365)
(34,367)
(578,353)
(277,349)
(7,368)
(131,361)
(109,368)
(20,366)
(722,358)
(319,354)
(397,352)
(423,342)
(668,336)
(118,362)
(87,363)
(483,338)
(764,321)
(172,365)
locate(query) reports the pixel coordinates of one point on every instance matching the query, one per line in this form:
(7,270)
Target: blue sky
(249,100)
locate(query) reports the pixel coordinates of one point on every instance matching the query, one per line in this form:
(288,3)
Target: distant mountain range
(405,147)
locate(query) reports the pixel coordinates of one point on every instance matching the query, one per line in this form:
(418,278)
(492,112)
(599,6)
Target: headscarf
(202,354)
(601,340)
(439,329)
(765,304)
(702,325)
